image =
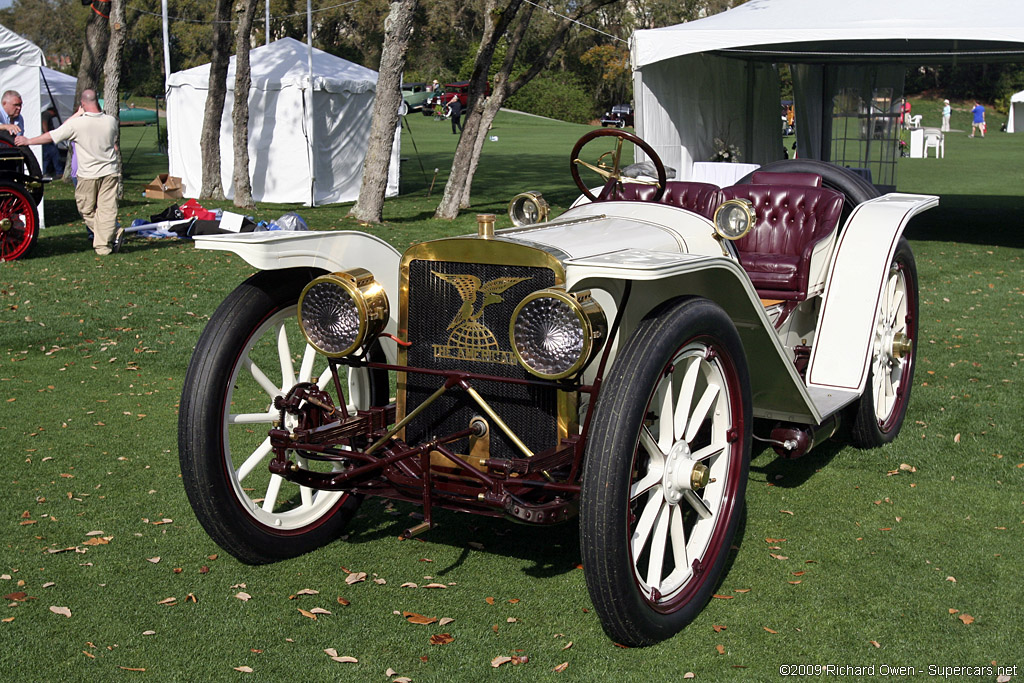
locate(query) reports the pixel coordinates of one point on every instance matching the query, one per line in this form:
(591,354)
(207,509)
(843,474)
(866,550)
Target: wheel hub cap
(682,474)
(5,224)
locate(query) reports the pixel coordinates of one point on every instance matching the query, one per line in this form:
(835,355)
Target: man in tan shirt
(95,136)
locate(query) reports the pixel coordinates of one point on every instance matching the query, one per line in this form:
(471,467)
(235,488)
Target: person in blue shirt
(11,119)
(979,120)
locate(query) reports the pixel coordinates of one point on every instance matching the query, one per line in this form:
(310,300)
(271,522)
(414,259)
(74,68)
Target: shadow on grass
(551,550)
(972,219)
(788,473)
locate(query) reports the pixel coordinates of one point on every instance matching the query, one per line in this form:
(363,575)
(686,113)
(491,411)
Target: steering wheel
(608,166)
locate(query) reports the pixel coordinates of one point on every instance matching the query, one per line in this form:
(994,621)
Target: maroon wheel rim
(725,503)
(17,224)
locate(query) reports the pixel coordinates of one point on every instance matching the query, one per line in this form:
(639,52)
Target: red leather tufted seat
(790,221)
(700,198)
(770,178)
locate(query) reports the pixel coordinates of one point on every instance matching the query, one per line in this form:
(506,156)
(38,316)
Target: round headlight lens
(734,218)
(528,208)
(554,334)
(340,312)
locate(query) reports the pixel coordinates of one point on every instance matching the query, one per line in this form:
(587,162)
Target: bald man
(95,136)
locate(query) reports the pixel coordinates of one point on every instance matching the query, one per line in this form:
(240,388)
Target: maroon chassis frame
(381,464)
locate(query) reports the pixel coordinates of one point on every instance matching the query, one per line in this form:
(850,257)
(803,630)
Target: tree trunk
(495,24)
(504,88)
(209,142)
(94,51)
(244,10)
(388,99)
(112,77)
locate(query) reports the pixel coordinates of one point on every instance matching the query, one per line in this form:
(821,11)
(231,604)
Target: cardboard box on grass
(164,186)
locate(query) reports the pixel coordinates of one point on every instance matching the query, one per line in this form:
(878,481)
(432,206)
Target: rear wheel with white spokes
(250,352)
(878,415)
(665,472)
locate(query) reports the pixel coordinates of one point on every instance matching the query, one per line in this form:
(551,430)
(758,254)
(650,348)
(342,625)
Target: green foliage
(556,95)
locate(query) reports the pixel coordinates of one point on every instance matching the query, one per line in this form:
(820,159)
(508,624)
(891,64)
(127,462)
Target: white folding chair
(912,121)
(933,137)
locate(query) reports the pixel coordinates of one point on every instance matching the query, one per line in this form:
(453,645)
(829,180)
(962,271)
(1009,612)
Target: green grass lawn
(871,563)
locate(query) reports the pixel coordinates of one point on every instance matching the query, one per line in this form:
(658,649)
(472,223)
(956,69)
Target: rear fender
(846,322)
(776,388)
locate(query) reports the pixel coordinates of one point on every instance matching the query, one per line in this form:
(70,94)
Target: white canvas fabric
(20,61)
(1016,112)
(307,139)
(680,71)
(62,87)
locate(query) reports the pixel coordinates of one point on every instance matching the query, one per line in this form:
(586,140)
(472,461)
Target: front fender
(328,251)
(776,388)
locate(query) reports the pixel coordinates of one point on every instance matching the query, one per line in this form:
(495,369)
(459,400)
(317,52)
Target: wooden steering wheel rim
(624,135)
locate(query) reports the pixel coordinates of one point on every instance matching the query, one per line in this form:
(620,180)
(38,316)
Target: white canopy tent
(307,140)
(1016,111)
(20,61)
(681,104)
(61,87)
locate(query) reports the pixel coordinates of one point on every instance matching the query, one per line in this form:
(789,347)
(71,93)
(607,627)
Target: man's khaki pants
(97,202)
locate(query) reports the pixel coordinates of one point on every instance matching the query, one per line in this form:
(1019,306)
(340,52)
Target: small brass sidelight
(485,225)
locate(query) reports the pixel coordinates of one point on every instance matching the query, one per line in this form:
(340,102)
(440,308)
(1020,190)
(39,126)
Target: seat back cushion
(700,198)
(769,178)
(790,219)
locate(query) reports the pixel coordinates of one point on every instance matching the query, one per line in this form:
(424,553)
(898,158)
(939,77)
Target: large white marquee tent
(307,138)
(1016,112)
(679,71)
(20,62)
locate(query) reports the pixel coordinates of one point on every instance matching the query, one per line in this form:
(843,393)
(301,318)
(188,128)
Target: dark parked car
(620,116)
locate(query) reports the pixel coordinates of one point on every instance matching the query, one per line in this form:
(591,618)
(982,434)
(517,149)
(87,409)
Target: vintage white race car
(615,363)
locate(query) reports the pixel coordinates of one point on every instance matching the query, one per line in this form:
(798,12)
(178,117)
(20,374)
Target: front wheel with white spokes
(250,352)
(878,415)
(665,472)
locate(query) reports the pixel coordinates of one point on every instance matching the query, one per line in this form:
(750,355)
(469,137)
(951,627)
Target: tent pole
(309,110)
(167,48)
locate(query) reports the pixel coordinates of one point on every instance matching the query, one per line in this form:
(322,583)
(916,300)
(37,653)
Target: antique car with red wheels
(21,190)
(612,366)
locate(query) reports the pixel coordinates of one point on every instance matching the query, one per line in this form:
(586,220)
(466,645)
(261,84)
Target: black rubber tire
(212,384)
(19,222)
(699,333)
(867,428)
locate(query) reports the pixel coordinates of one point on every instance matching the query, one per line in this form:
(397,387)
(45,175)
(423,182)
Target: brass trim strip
(408,418)
(497,420)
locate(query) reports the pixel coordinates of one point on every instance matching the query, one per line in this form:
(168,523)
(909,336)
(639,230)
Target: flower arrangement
(724,152)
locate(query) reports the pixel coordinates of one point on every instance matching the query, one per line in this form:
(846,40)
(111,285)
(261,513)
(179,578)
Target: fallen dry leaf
(168,601)
(355,577)
(561,667)
(342,601)
(489,601)
(409,584)
(721,649)
(768,629)
(498,661)
(243,669)
(137,668)
(414,618)
(307,614)
(778,557)
(567,645)
(66,611)
(345,660)
(950,578)
(444,621)
(875,643)
(441,639)
(243,596)
(718,628)
(435,585)
(308,591)
(966,618)
(98,540)
(953,611)
(319,610)
(786,512)
(154,560)
(688,675)
(723,597)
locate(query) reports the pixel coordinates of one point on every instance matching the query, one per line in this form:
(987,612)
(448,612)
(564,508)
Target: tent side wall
(682,107)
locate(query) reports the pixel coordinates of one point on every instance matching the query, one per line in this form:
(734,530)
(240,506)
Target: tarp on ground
(307,137)
(680,71)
